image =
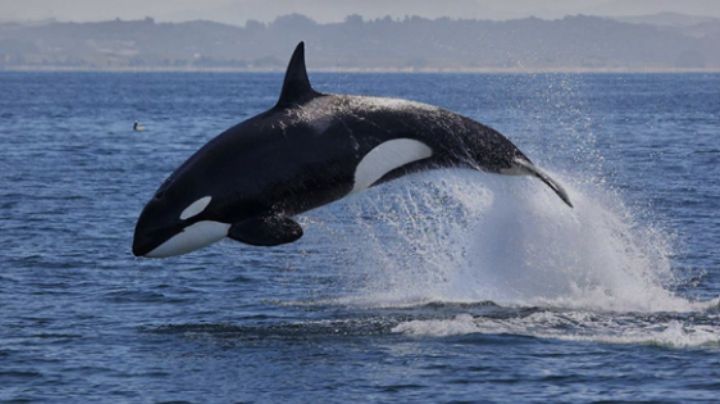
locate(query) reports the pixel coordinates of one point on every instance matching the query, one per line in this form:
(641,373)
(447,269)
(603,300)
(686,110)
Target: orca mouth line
(176,242)
(142,246)
(146,240)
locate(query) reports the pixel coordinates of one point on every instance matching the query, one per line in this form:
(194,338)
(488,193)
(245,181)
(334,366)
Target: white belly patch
(386,157)
(195,236)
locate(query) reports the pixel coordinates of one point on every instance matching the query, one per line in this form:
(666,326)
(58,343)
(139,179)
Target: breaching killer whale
(307,151)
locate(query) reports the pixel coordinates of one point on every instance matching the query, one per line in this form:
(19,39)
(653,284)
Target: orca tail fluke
(531,169)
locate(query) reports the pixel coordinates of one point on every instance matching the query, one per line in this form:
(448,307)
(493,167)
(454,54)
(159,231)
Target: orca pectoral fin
(266,231)
(544,177)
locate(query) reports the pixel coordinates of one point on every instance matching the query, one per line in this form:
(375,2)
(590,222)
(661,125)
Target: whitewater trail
(451,236)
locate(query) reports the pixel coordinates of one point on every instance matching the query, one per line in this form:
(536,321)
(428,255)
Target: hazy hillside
(668,19)
(579,42)
(691,25)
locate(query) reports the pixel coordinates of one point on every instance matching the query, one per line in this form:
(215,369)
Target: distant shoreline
(574,44)
(388,70)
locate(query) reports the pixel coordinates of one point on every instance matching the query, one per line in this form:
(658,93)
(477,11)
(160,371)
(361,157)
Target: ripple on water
(140,296)
(483,283)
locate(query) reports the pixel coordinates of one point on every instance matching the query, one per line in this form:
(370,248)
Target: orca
(307,151)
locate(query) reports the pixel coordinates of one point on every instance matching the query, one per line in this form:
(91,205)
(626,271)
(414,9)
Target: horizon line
(342,70)
(365,19)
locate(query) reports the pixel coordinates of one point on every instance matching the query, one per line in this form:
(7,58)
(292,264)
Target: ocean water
(441,286)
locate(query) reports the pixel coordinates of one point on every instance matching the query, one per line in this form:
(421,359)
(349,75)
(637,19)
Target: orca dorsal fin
(296,87)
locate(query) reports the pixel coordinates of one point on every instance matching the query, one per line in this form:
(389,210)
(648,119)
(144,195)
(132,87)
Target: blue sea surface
(440,286)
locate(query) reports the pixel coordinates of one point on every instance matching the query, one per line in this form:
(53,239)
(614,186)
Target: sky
(239,11)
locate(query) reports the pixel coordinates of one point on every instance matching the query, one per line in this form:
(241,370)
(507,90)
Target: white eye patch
(195,208)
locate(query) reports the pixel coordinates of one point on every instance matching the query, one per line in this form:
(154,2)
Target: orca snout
(150,231)
(145,240)
(142,245)
(158,235)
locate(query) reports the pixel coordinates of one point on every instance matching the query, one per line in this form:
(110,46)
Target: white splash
(462,236)
(452,236)
(575,326)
